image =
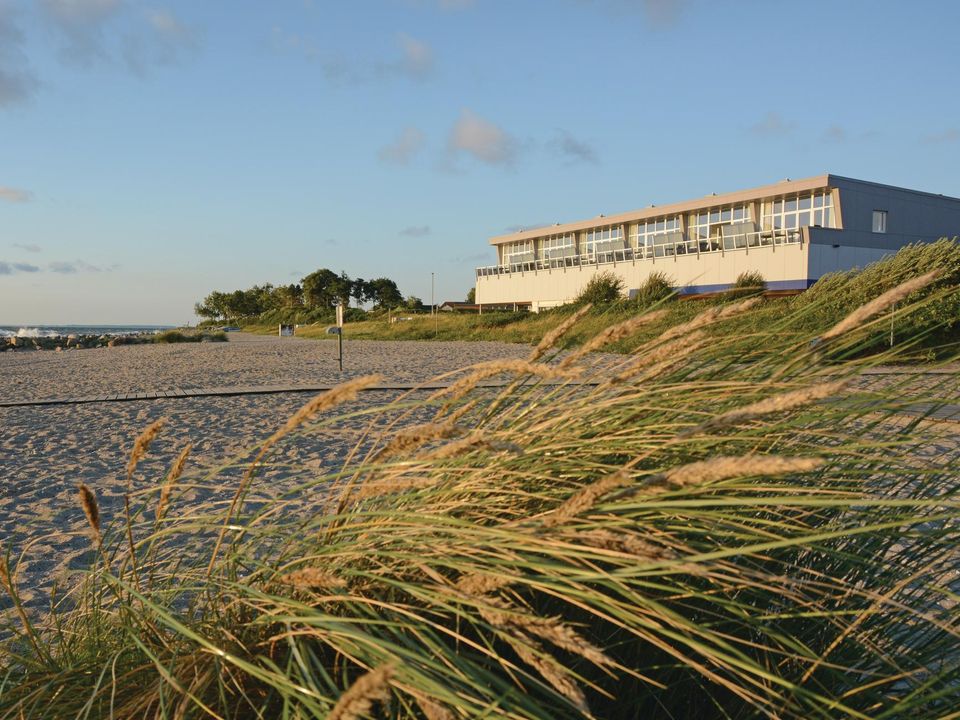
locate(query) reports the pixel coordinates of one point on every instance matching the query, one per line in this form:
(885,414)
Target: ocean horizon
(27,330)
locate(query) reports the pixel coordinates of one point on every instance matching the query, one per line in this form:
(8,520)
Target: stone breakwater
(59,343)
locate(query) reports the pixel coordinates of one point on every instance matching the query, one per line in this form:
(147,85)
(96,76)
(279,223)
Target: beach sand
(46,450)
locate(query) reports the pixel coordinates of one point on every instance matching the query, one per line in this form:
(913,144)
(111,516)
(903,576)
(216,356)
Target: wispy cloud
(416,59)
(416,231)
(29,247)
(15,195)
(404,148)
(72,267)
(482,140)
(571,149)
(81,24)
(166,40)
(771,125)
(950,135)
(8,268)
(17,81)
(836,134)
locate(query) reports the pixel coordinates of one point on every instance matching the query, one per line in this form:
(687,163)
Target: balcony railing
(566,258)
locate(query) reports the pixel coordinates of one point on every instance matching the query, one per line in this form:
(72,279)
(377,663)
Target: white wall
(708,272)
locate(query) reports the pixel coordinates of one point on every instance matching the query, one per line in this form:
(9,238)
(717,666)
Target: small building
(792,233)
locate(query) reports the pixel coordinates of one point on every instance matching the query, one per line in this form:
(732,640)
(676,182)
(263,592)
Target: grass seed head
(866,312)
(613,334)
(88,501)
(175,472)
(551,338)
(312,578)
(367,690)
(724,467)
(142,444)
(586,498)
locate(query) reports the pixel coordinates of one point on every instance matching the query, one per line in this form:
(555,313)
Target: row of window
(708,230)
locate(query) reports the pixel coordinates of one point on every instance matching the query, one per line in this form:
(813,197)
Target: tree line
(321,290)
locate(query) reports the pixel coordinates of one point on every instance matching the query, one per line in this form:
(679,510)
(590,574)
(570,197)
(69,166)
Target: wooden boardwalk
(933,411)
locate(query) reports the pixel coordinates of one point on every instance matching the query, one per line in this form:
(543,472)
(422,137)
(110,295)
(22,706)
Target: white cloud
(75,266)
(81,25)
(7,268)
(15,195)
(164,42)
(572,149)
(482,139)
(17,81)
(770,125)
(416,231)
(402,150)
(29,247)
(950,135)
(417,60)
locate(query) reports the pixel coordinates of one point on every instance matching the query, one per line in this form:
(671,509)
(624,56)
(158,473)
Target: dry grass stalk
(659,360)
(344,392)
(432,710)
(475,441)
(482,371)
(88,501)
(310,578)
(551,338)
(708,317)
(142,444)
(623,543)
(586,498)
(550,670)
(175,472)
(612,334)
(776,404)
(387,486)
(724,467)
(359,699)
(479,584)
(876,306)
(417,436)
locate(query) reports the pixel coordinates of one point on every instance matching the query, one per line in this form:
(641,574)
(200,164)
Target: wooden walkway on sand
(943,412)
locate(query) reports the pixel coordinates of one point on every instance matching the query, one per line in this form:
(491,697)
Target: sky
(151,152)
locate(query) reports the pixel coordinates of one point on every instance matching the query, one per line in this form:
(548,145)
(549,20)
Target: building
(792,233)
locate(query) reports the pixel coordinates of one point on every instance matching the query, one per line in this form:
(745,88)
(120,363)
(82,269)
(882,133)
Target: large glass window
(557,248)
(518,252)
(706,228)
(656,236)
(601,241)
(783,216)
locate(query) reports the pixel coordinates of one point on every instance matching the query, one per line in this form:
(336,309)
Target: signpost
(340,334)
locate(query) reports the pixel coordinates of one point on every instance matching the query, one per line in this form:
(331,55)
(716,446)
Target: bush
(657,287)
(603,288)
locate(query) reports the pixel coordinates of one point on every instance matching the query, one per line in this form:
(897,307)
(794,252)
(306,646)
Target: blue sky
(153,151)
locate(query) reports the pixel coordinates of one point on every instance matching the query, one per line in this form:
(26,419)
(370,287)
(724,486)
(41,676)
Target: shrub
(603,288)
(657,287)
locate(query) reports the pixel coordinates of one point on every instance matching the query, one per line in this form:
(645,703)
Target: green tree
(360,291)
(414,303)
(472,295)
(287,297)
(318,288)
(385,293)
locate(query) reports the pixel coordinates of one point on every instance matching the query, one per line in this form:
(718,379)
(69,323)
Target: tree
(341,288)
(472,295)
(318,288)
(287,297)
(414,303)
(212,307)
(385,293)
(360,291)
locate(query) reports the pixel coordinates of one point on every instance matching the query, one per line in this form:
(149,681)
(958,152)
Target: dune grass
(714,525)
(826,302)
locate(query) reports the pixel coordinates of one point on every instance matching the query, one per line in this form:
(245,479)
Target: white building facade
(792,233)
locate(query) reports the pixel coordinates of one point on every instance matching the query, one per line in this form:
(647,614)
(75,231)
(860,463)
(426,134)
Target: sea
(51,331)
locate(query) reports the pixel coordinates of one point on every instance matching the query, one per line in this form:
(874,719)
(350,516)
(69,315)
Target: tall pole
(433,307)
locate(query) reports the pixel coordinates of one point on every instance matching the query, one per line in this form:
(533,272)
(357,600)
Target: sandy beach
(46,450)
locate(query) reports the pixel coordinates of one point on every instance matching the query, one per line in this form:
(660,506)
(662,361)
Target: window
(557,248)
(602,241)
(796,211)
(659,232)
(879,221)
(516,253)
(704,228)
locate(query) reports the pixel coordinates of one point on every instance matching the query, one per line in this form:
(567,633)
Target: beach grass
(829,299)
(719,523)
